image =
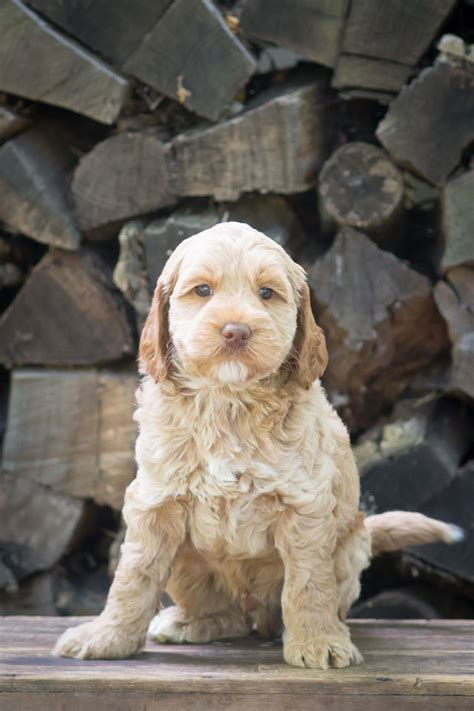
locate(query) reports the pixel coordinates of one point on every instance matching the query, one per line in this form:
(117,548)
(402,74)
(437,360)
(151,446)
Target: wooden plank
(72,431)
(67,313)
(312,28)
(440,102)
(34,176)
(407,665)
(458,222)
(201,63)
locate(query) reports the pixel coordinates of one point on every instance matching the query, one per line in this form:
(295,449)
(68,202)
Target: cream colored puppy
(245,507)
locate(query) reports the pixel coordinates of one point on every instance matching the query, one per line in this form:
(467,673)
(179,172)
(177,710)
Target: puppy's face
(234,304)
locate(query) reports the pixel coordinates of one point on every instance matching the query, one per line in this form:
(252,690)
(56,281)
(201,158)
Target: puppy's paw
(97,640)
(321,652)
(172,625)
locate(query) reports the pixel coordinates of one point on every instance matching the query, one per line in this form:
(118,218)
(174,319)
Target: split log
(131,174)
(72,431)
(36,524)
(34,178)
(232,157)
(312,29)
(380,45)
(199,63)
(67,313)
(361,188)
(454,505)
(34,596)
(114,30)
(413,456)
(380,321)
(123,176)
(402,604)
(440,102)
(11,123)
(458,222)
(40,64)
(455,300)
(130,271)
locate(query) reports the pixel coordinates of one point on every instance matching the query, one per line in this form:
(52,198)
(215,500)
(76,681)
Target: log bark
(381,324)
(455,300)
(11,123)
(361,188)
(414,455)
(458,222)
(199,63)
(68,313)
(34,177)
(312,28)
(72,432)
(440,102)
(40,64)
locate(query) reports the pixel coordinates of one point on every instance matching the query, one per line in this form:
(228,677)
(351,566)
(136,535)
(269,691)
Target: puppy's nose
(236,334)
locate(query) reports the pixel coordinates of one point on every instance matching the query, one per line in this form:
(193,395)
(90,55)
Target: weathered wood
(440,102)
(380,321)
(312,28)
(277,145)
(134,173)
(114,30)
(39,63)
(67,313)
(453,504)
(413,456)
(36,524)
(73,432)
(201,63)
(382,75)
(10,123)
(455,300)
(361,188)
(408,665)
(34,175)
(458,222)
(123,176)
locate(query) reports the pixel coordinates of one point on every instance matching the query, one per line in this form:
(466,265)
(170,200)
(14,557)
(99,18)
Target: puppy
(245,507)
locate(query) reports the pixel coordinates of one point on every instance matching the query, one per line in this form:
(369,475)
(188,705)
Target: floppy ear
(310,356)
(153,353)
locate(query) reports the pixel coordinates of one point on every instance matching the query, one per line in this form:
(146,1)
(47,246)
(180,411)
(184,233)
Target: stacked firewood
(343,130)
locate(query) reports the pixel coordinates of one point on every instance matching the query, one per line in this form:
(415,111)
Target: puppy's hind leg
(204,611)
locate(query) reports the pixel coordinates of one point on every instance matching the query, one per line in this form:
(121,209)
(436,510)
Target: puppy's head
(231,307)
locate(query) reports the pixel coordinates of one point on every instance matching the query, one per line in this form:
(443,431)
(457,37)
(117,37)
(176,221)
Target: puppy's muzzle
(236,335)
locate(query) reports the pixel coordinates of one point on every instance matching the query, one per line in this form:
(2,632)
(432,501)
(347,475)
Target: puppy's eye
(203,290)
(265,293)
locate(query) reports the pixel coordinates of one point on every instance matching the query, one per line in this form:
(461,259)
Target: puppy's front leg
(152,540)
(314,636)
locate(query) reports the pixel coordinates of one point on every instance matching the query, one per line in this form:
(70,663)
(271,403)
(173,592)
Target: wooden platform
(408,665)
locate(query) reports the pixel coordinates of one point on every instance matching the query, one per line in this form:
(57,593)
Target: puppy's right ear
(154,357)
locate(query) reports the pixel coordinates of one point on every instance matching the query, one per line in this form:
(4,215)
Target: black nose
(236,334)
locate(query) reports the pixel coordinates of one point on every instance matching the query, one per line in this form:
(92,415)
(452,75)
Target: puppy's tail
(396,529)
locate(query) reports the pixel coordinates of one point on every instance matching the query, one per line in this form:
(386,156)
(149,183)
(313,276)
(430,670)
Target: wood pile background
(342,129)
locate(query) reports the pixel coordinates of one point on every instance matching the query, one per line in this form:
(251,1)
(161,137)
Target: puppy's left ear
(153,354)
(310,356)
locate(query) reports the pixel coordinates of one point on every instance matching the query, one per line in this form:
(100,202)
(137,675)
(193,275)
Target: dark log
(198,62)
(454,505)
(439,103)
(36,524)
(361,188)
(380,321)
(377,75)
(311,28)
(34,179)
(68,313)
(113,29)
(73,432)
(458,222)
(414,455)
(34,596)
(400,604)
(10,123)
(455,300)
(123,176)
(226,160)
(38,63)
